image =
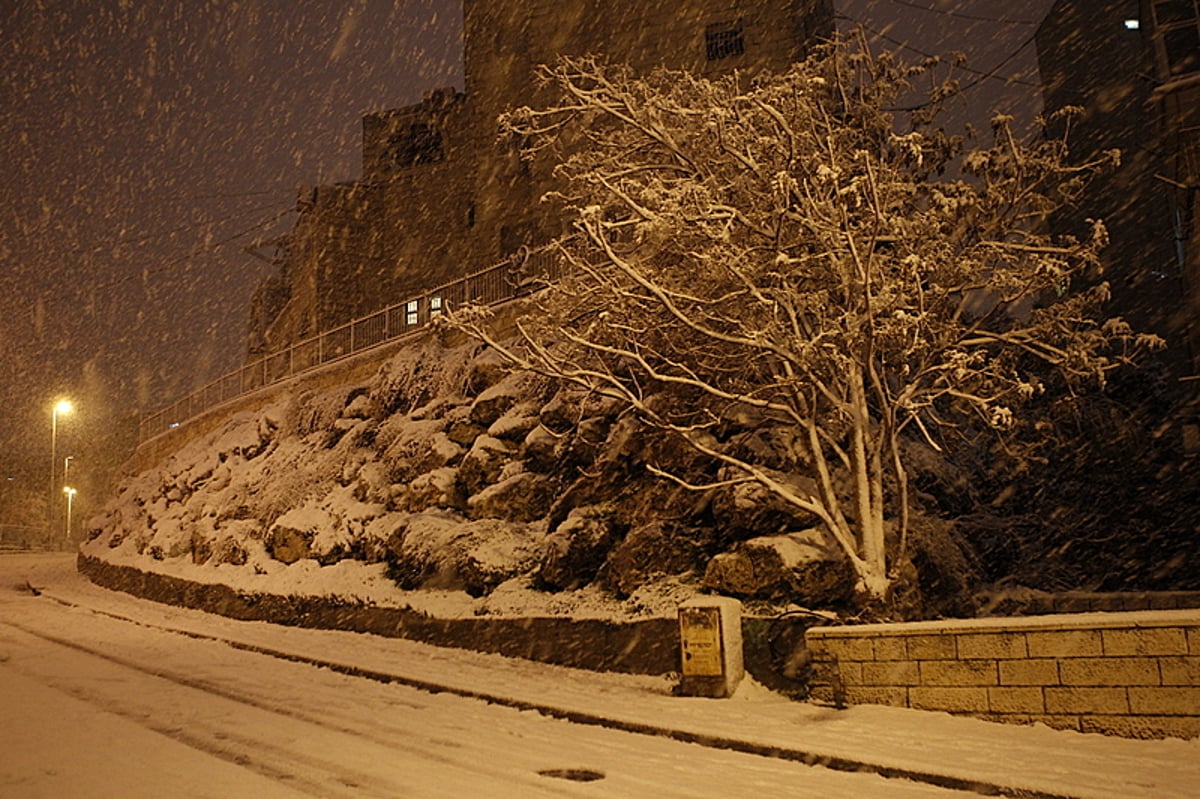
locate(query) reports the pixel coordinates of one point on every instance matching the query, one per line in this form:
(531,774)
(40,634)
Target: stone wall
(1133,674)
(441,197)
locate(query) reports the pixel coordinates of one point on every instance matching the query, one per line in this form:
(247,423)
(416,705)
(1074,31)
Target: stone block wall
(1130,674)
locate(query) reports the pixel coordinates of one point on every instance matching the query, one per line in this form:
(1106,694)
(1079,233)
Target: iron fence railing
(496,284)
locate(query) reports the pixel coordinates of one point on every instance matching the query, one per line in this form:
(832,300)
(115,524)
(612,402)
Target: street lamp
(62,407)
(70,492)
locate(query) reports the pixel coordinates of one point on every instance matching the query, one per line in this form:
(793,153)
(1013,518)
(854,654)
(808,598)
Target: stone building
(440,196)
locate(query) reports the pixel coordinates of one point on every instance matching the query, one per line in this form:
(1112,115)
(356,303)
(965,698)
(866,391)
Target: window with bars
(724,40)
(412,312)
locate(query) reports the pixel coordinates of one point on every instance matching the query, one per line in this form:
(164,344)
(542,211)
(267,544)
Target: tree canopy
(795,249)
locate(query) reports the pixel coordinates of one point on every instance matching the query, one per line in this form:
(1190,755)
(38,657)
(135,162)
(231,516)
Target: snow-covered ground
(115,705)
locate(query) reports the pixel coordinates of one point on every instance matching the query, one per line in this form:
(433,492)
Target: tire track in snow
(279,763)
(815,759)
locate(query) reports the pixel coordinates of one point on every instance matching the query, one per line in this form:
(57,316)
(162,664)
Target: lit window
(1131,25)
(435,306)
(411,309)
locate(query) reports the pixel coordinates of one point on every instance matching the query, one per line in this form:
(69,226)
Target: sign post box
(710,638)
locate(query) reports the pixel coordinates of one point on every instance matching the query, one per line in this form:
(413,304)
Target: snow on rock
(804,567)
(576,550)
(651,551)
(522,497)
(447,475)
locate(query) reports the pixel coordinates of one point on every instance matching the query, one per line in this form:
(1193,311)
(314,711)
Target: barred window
(723,40)
(411,311)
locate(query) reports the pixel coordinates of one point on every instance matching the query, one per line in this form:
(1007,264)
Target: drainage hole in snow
(575,774)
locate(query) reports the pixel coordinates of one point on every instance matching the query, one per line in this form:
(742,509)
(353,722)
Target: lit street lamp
(70,492)
(63,407)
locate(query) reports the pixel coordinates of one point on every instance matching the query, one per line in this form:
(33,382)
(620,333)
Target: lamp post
(70,492)
(63,407)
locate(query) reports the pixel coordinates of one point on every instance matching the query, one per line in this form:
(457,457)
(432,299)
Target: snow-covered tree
(795,248)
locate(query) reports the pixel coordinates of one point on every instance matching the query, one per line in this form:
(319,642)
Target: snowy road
(96,705)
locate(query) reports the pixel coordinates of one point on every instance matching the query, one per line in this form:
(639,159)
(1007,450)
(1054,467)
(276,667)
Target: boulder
(485,370)
(522,497)
(288,545)
(493,403)
(436,489)
(493,551)
(463,432)
(230,550)
(438,550)
(804,567)
(481,466)
(650,551)
(749,510)
(539,449)
(573,554)
(515,423)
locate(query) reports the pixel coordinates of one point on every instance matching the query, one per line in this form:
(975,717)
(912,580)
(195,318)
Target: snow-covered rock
(652,551)
(575,551)
(522,497)
(803,567)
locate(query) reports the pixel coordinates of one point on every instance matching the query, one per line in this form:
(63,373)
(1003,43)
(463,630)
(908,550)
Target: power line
(982,75)
(963,15)
(198,251)
(170,231)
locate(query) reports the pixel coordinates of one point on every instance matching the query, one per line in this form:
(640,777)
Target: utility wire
(170,231)
(198,251)
(963,15)
(990,74)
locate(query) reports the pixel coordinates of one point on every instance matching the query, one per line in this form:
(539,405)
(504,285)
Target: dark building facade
(1123,63)
(441,196)
(1091,57)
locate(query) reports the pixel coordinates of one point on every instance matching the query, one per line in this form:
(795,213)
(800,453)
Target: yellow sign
(700,629)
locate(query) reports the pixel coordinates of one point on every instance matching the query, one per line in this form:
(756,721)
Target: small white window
(1132,24)
(435,306)
(411,309)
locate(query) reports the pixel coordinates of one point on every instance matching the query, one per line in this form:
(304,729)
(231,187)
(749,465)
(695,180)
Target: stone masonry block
(1028,672)
(1080,701)
(959,672)
(1193,636)
(1165,700)
(1143,726)
(954,700)
(992,645)
(827,672)
(1057,722)
(891,648)
(931,647)
(1152,641)
(1016,700)
(1109,671)
(849,672)
(898,672)
(869,695)
(1065,643)
(844,648)
(1179,670)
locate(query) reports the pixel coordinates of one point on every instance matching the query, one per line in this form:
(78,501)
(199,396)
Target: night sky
(144,146)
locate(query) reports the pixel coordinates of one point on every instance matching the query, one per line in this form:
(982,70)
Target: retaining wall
(1134,674)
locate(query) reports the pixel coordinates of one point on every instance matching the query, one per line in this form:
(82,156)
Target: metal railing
(496,284)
